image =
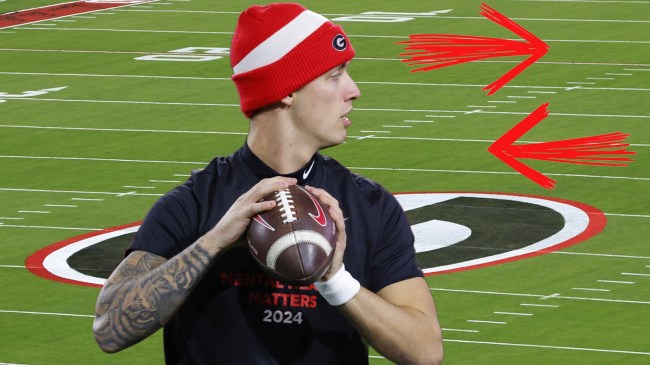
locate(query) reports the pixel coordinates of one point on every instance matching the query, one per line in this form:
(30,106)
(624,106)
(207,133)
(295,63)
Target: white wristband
(339,289)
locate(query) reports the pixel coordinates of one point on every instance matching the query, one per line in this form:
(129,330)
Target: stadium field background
(102,112)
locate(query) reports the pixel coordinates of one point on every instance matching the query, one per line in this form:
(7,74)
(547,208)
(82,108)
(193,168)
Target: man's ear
(288,100)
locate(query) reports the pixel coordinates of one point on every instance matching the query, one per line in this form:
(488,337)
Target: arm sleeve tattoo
(143,293)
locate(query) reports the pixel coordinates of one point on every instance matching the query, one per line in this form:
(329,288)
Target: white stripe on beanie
(281,42)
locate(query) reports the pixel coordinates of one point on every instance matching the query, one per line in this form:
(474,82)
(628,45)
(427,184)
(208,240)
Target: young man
(188,271)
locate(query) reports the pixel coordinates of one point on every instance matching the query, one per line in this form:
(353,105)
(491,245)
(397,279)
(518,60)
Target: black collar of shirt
(263,171)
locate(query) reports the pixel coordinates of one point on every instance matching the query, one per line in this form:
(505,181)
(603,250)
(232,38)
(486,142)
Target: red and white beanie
(279,48)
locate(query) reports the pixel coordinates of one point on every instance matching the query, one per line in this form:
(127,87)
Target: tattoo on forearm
(144,293)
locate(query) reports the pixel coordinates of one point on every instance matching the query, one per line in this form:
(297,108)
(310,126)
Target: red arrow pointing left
(594,150)
(433,51)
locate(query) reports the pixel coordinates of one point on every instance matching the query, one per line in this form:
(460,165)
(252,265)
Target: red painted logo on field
(28,16)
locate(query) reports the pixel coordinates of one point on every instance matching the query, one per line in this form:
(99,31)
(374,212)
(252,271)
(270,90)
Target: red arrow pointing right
(594,150)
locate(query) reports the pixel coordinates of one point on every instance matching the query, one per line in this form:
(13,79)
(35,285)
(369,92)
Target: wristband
(339,289)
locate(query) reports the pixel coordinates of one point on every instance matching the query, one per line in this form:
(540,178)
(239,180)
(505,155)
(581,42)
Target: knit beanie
(279,48)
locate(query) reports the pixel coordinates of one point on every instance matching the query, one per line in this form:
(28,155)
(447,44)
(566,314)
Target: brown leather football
(295,241)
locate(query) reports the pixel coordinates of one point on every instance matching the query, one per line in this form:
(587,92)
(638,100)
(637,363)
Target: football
(295,241)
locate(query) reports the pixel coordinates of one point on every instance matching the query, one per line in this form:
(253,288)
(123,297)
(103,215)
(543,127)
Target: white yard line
(458,330)
(601,254)
(628,215)
(549,347)
(53,191)
(121,130)
(47,313)
(590,1)
(104,160)
(539,296)
(49,227)
(437,16)
(539,305)
(397,110)
(384,59)
(392,169)
(388,83)
(617,282)
(485,322)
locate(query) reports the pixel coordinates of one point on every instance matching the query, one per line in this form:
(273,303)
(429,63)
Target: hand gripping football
(295,241)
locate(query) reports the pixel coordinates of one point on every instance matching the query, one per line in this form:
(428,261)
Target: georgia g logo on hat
(339,42)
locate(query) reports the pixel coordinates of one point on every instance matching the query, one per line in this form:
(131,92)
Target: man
(188,271)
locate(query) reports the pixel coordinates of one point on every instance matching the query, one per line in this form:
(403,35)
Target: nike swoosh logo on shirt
(306,173)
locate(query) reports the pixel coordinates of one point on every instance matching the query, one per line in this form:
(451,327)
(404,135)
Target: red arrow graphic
(594,150)
(434,51)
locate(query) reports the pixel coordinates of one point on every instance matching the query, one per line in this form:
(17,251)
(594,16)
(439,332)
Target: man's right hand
(234,223)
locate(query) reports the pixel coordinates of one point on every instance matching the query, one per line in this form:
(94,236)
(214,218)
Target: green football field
(102,112)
